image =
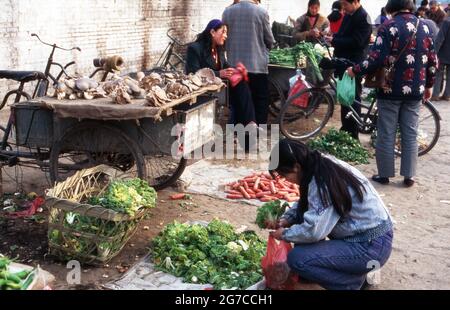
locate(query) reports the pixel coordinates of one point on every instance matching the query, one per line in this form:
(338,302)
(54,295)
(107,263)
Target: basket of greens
(94,213)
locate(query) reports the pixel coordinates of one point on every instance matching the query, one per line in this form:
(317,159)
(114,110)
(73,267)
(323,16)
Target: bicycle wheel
(276,98)
(163,170)
(428,132)
(89,144)
(304,115)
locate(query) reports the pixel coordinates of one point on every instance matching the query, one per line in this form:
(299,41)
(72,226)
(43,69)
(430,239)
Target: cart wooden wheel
(163,170)
(89,144)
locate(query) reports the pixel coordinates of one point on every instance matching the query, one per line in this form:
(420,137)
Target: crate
(34,124)
(90,234)
(191,123)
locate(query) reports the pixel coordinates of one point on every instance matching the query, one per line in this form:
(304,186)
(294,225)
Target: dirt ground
(421,253)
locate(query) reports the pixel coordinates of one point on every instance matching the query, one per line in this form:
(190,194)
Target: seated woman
(312,25)
(208,52)
(337,202)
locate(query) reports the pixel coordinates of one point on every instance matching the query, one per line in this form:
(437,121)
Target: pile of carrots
(263,187)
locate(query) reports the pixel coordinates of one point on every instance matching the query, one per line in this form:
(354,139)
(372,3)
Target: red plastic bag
(276,271)
(240,73)
(30,211)
(301,101)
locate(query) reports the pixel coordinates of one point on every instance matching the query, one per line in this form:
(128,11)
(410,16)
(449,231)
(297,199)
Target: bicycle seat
(337,64)
(21,76)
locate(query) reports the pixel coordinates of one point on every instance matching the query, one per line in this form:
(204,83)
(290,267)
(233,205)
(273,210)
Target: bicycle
(173,57)
(43,80)
(304,122)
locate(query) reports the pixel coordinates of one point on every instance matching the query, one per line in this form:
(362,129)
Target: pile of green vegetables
(341,145)
(123,196)
(13,281)
(126,196)
(213,254)
(269,213)
(292,56)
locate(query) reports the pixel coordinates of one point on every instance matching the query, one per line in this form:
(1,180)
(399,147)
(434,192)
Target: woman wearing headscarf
(208,52)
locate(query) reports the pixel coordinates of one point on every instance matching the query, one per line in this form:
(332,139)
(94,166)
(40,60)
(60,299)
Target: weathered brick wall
(135,29)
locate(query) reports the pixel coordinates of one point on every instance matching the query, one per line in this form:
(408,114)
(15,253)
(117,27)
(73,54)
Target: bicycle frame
(164,60)
(39,91)
(363,122)
(42,86)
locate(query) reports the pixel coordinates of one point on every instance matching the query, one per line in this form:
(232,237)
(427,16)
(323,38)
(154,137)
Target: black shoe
(380,180)
(408,182)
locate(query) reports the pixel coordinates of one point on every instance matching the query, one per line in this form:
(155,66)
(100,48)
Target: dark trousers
(349,125)
(243,111)
(259,87)
(338,264)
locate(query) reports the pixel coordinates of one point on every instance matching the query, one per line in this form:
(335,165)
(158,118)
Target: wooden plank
(104,109)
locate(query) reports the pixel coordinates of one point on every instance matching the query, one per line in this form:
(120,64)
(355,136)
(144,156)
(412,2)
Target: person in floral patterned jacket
(407,42)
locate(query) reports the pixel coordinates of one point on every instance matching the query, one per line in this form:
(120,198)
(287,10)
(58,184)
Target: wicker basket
(89,234)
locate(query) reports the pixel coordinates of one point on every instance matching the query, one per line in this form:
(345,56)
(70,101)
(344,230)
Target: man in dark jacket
(442,46)
(436,14)
(352,43)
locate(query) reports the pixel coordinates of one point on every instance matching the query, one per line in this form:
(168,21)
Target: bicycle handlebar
(56,46)
(324,43)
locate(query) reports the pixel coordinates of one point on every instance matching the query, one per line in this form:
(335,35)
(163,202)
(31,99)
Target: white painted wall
(135,29)
(373,7)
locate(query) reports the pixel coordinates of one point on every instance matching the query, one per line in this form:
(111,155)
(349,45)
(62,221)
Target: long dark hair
(336,13)
(333,181)
(205,37)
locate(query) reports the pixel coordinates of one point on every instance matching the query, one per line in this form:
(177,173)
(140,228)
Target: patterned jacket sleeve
(431,65)
(379,53)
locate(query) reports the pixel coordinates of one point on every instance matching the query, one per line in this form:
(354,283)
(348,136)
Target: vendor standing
(309,27)
(336,201)
(352,43)
(249,41)
(208,52)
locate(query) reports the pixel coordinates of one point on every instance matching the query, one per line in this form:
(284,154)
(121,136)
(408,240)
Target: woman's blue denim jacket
(367,220)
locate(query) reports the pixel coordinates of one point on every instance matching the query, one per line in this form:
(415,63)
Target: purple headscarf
(215,23)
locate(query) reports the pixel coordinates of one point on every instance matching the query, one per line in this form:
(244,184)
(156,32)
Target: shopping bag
(276,271)
(302,100)
(240,73)
(346,90)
